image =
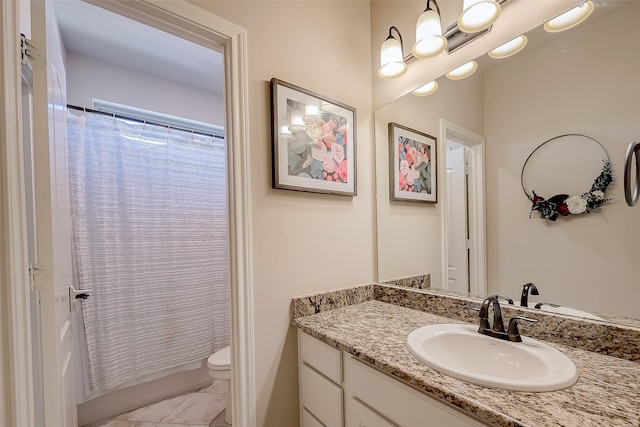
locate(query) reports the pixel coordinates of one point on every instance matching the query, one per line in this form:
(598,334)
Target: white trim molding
(16,393)
(477,221)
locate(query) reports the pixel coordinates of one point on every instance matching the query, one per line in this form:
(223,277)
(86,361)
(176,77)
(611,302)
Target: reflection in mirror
(463,252)
(583,80)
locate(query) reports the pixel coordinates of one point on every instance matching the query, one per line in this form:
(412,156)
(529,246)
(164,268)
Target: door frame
(16,393)
(184,20)
(477,222)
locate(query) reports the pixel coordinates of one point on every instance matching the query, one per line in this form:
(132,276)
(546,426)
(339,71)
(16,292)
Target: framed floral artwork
(413,167)
(313,141)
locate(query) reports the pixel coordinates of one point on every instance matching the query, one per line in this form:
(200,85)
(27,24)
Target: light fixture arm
(437,8)
(393,27)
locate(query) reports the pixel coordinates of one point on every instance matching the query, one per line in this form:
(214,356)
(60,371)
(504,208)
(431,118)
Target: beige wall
(584,83)
(91,78)
(409,234)
(302,242)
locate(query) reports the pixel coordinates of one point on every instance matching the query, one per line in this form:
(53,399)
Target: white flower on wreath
(597,195)
(576,205)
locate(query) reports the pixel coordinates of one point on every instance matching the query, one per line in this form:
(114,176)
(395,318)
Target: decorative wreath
(564,204)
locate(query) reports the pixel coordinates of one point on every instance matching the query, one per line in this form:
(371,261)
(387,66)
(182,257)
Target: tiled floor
(204,407)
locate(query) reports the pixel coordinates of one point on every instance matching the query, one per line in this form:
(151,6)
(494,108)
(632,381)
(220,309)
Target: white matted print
(313,141)
(413,167)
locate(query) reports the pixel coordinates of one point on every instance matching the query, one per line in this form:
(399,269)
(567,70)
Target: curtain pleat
(150,240)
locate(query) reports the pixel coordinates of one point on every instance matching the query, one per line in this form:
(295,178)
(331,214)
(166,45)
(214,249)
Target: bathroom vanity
(356,370)
(337,386)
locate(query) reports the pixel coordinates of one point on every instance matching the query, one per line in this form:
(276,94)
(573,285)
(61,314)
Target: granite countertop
(607,392)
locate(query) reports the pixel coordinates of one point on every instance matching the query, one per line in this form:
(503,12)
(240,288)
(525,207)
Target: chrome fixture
(524,299)
(496,329)
(456,38)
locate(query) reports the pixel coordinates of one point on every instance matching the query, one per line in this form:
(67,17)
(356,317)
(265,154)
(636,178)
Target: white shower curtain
(149,212)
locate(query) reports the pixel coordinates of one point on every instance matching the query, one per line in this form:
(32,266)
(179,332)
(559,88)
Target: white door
(53,275)
(457,225)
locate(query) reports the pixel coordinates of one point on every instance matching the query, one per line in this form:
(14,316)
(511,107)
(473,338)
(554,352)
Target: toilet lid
(221,359)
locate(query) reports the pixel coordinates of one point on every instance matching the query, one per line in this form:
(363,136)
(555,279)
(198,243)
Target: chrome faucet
(496,329)
(524,300)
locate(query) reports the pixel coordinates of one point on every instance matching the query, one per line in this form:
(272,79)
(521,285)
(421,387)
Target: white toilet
(220,369)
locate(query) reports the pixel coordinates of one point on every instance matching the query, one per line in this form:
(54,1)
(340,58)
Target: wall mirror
(583,80)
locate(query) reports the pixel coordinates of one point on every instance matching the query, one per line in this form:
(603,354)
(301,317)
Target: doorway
(195,24)
(165,86)
(463,221)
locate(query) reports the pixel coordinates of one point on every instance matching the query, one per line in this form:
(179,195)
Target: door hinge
(29,53)
(32,276)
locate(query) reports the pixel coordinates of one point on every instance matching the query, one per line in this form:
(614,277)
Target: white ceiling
(100,34)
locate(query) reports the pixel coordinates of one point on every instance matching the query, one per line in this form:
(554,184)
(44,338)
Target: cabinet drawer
(320,397)
(396,401)
(360,415)
(325,359)
(309,420)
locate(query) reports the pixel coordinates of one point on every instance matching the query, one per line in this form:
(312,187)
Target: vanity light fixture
(426,89)
(478,15)
(429,39)
(392,63)
(571,18)
(465,70)
(509,48)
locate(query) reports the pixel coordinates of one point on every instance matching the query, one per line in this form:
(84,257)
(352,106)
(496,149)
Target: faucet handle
(512,333)
(540,304)
(509,300)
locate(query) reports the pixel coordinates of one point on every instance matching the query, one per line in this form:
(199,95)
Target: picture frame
(413,165)
(313,142)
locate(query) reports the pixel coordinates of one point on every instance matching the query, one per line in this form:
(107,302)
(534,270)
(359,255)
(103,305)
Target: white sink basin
(460,351)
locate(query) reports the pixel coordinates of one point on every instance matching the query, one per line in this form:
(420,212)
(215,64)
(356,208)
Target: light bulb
(571,18)
(429,39)
(509,48)
(426,89)
(392,63)
(465,70)
(478,15)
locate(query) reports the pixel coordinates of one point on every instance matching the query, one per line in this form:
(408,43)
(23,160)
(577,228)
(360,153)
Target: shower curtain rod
(144,121)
